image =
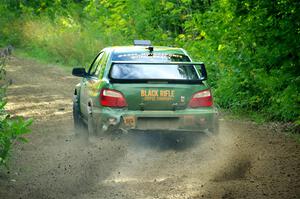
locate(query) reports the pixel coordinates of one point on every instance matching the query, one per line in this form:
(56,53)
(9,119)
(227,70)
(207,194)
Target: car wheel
(79,127)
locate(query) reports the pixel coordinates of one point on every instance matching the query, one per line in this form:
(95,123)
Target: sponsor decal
(93,86)
(134,56)
(157,95)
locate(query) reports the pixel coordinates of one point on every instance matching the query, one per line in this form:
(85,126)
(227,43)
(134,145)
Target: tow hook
(142,106)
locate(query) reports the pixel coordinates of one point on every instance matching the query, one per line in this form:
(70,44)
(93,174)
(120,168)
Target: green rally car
(143,87)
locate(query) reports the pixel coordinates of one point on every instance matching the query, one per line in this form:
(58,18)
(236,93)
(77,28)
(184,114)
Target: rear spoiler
(201,64)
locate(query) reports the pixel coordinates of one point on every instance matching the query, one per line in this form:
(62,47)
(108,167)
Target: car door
(87,84)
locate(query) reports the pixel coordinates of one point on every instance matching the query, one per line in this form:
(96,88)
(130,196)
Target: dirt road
(245,161)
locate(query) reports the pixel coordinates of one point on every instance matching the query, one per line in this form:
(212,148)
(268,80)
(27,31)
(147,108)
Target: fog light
(112,121)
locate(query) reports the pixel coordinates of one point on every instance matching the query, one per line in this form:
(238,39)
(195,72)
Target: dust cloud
(153,159)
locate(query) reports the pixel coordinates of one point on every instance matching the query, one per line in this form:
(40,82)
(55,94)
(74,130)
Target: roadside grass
(256,117)
(44,60)
(289,129)
(295,136)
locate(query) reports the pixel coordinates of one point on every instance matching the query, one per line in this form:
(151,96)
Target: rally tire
(91,126)
(79,127)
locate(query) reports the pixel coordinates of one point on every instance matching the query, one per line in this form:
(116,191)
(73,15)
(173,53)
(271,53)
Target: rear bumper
(195,120)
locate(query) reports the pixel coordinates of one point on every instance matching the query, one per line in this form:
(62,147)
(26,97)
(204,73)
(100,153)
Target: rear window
(142,71)
(155,71)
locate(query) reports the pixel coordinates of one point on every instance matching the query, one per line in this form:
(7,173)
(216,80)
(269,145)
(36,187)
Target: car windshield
(148,71)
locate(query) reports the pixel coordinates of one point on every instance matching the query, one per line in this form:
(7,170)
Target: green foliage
(250,47)
(11,129)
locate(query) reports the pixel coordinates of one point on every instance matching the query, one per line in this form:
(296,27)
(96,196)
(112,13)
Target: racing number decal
(157,95)
(129,121)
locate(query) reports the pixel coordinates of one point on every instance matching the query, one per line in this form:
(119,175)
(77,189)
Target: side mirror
(203,72)
(79,72)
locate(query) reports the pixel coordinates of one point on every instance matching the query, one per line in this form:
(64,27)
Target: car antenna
(145,43)
(150,48)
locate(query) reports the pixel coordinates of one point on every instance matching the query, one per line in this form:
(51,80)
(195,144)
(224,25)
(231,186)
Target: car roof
(137,49)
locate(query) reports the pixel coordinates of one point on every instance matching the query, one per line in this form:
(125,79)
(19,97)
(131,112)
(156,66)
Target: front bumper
(195,120)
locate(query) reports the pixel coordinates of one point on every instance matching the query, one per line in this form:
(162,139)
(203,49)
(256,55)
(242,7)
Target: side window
(101,66)
(95,64)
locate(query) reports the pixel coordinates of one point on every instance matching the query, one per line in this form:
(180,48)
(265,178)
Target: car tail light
(112,98)
(201,99)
